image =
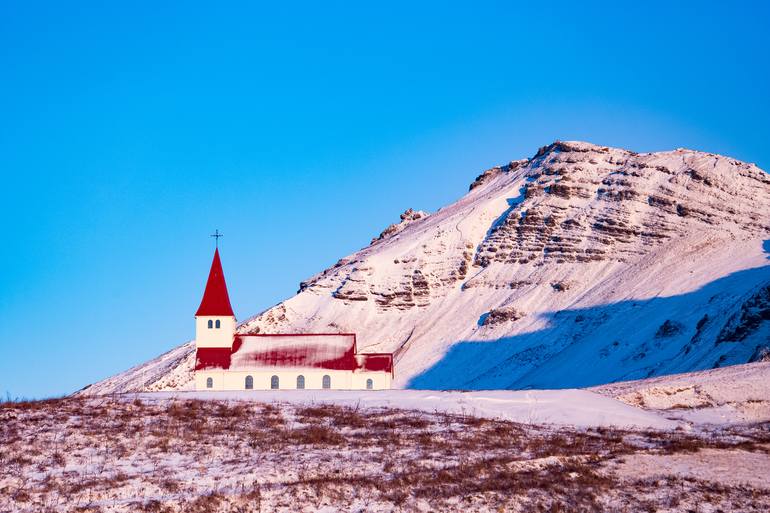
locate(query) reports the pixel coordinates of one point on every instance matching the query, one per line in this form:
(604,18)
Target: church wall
(217,376)
(214,337)
(380,380)
(340,380)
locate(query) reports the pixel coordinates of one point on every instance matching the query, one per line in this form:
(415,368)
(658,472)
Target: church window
(211,324)
(369,384)
(327,381)
(300,381)
(217,324)
(249,382)
(209,382)
(274,383)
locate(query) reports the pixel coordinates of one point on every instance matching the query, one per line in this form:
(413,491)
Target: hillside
(579,266)
(152,453)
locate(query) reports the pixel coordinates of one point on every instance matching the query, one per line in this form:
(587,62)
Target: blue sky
(130,131)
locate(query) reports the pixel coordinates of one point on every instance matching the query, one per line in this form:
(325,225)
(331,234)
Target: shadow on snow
(626,340)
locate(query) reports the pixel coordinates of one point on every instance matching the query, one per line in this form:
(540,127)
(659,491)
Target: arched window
(211,324)
(327,381)
(249,382)
(217,324)
(209,382)
(369,384)
(274,383)
(300,381)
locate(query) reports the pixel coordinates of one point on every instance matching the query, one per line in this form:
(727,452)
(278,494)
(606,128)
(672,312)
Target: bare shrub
(316,435)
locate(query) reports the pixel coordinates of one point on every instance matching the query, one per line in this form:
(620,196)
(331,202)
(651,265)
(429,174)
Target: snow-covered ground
(648,445)
(740,393)
(159,453)
(729,395)
(563,407)
(580,266)
(723,466)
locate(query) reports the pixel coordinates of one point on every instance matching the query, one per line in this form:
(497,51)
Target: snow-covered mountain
(579,266)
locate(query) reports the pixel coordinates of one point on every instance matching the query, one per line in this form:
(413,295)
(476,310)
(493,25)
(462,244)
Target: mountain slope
(582,265)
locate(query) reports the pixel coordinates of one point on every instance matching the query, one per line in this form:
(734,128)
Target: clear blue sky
(130,130)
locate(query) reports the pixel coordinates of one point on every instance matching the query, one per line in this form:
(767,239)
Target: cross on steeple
(216,236)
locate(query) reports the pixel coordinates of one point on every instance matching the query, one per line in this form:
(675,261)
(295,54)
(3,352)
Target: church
(227,360)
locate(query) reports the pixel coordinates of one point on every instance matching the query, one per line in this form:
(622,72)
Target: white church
(226,360)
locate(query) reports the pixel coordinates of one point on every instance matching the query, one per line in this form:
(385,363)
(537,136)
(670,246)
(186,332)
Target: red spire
(215,300)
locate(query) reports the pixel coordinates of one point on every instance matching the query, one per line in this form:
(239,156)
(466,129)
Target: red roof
(212,358)
(215,300)
(335,351)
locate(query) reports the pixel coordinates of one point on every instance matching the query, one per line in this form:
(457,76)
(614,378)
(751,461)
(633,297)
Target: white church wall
(287,379)
(217,377)
(380,380)
(214,337)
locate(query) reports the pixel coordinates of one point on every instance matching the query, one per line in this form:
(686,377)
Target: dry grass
(119,454)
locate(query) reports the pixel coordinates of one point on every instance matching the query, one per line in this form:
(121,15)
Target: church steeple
(214,320)
(216,301)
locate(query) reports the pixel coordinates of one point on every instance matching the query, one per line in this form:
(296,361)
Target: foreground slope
(582,265)
(147,453)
